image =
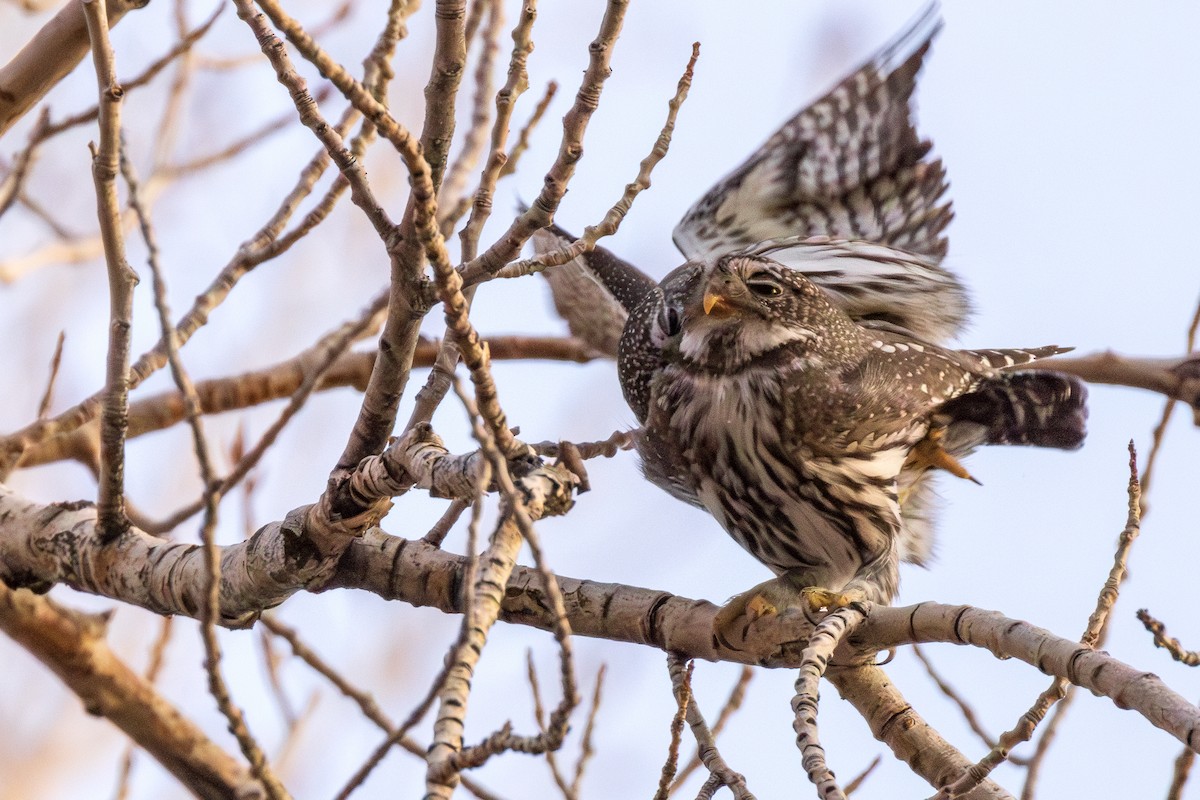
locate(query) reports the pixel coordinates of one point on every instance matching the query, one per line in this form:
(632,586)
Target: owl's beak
(716,305)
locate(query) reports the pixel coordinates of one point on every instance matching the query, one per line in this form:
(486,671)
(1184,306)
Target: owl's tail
(1042,409)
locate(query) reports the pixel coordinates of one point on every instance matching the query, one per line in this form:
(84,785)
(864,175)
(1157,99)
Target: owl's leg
(792,589)
(769,598)
(929,454)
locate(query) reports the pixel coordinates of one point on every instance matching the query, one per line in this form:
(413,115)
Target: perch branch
(52,544)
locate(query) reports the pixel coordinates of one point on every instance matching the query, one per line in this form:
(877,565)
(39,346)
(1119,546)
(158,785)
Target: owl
(804,432)
(792,377)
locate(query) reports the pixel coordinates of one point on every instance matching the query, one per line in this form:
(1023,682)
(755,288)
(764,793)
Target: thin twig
(681,683)
(539,111)
(1189,658)
(121,279)
(732,704)
(585,743)
(55,363)
(964,707)
(14,181)
(274,681)
(720,773)
(539,715)
(1058,690)
(857,781)
(1097,628)
(437,534)
(612,219)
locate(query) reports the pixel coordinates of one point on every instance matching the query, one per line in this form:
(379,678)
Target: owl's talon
(818,598)
(758,607)
(929,454)
(734,619)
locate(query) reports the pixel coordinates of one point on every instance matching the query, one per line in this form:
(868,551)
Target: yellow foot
(818,598)
(929,454)
(733,620)
(771,598)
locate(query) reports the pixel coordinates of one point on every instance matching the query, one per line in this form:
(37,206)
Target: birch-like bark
(52,53)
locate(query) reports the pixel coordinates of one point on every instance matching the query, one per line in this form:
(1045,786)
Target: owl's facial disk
(739,287)
(738,311)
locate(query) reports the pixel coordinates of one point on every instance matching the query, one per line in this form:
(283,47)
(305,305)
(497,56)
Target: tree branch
(72,645)
(1177,378)
(50,56)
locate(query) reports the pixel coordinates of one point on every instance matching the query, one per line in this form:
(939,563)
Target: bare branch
(1092,635)
(612,220)
(72,645)
(55,363)
(1177,378)
(14,181)
(1189,658)
(681,683)
(49,56)
(121,278)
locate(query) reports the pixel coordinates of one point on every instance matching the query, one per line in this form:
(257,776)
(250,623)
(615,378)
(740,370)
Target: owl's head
(744,306)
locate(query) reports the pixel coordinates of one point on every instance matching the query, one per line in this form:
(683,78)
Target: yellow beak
(716,305)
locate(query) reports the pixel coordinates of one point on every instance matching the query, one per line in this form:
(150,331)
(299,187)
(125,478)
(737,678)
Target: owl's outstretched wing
(844,192)
(849,166)
(593,292)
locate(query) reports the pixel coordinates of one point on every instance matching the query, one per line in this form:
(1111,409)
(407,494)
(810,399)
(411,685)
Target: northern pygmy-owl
(802,431)
(790,377)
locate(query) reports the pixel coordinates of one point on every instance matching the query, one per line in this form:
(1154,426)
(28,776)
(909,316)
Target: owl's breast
(724,442)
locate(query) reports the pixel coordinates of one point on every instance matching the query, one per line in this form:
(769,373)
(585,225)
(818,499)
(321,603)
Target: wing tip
(913,39)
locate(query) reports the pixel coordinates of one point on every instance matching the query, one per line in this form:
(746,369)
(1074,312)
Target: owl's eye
(764,286)
(671,321)
(669,324)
